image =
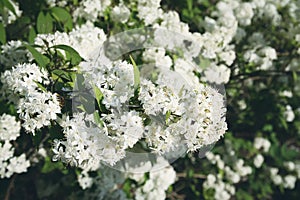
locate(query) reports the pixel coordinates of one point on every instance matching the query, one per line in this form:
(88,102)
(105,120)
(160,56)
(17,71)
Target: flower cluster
(36,107)
(135,85)
(10,163)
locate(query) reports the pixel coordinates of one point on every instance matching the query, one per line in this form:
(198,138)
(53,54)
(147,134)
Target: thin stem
(10,187)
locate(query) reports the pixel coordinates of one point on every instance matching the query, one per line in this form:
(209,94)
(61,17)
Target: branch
(10,187)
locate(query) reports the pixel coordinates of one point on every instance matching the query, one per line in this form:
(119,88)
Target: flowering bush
(150,99)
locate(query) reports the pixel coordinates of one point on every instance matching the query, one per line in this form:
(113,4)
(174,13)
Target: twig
(183,175)
(10,187)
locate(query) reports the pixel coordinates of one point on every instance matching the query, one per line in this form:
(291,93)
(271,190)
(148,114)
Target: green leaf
(31,35)
(168,114)
(2,34)
(97,119)
(61,75)
(190,5)
(41,59)
(98,95)
(62,16)
(49,166)
(79,80)
(295,76)
(204,63)
(41,86)
(72,54)
(81,107)
(44,23)
(136,74)
(9,5)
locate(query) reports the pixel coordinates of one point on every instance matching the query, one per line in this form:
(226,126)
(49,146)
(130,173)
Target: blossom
(9,128)
(158,182)
(289,181)
(120,13)
(10,164)
(149,11)
(289,114)
(90,10)
(12,54)
(34,105)
(262,143)
(84,180)
(258,160)
(84,39)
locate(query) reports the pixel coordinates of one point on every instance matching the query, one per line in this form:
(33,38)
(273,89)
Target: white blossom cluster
(86,146)
(60,3)
(12,54)
(198,121)
(107,184)
(288,181)
(91,10)
(192,112)
(225,181)
(222,189)
(157,184)
(10,163)
(289,113)
(35,106)
(120,13)
(231,170)
(9,16)
(122,131)
(149,11)
(262,143)
(84,39)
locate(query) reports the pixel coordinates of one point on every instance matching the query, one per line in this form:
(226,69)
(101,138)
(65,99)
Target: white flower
(218,74)
(35,106)
(244,13)
(269,53)
(18,164)
(159,181)
(149,11)
(222,189)
(210,181)
(120,13)
(290,165)
(287,93)
(241,169)
(277,179)
(84,180)
(12,54)
(222,195)
(149,185)
(231,175)
(258,160)
(90,10)
(21,80)
(262,143)
(85,39)
(228,57)
(126,129)
(274,171)
(10,164)
(289,114)
(9,128)
(289,181)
